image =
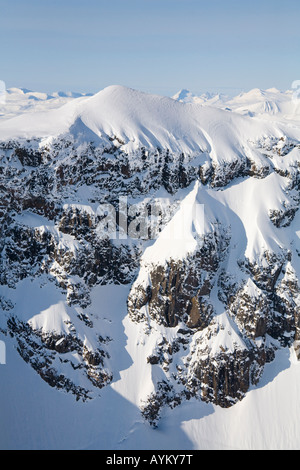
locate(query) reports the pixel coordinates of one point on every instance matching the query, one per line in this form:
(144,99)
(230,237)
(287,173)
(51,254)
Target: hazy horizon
(155,46)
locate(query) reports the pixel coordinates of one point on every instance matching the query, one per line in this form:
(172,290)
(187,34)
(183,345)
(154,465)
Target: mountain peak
(184,95)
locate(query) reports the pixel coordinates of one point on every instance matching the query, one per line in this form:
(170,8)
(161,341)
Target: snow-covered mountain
(184,318)
(270,103)
(186,96)
(21,100)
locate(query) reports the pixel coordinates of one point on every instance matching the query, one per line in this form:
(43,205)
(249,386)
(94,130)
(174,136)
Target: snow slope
(34,416)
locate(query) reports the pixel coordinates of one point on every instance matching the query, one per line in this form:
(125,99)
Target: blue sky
(157,46)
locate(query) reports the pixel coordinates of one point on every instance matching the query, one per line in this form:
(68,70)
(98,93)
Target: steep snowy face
(203,204)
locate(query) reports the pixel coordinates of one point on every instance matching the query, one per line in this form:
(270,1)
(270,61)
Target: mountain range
(180,327)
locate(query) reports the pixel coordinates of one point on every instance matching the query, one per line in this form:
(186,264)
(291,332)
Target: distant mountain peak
(183,95)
